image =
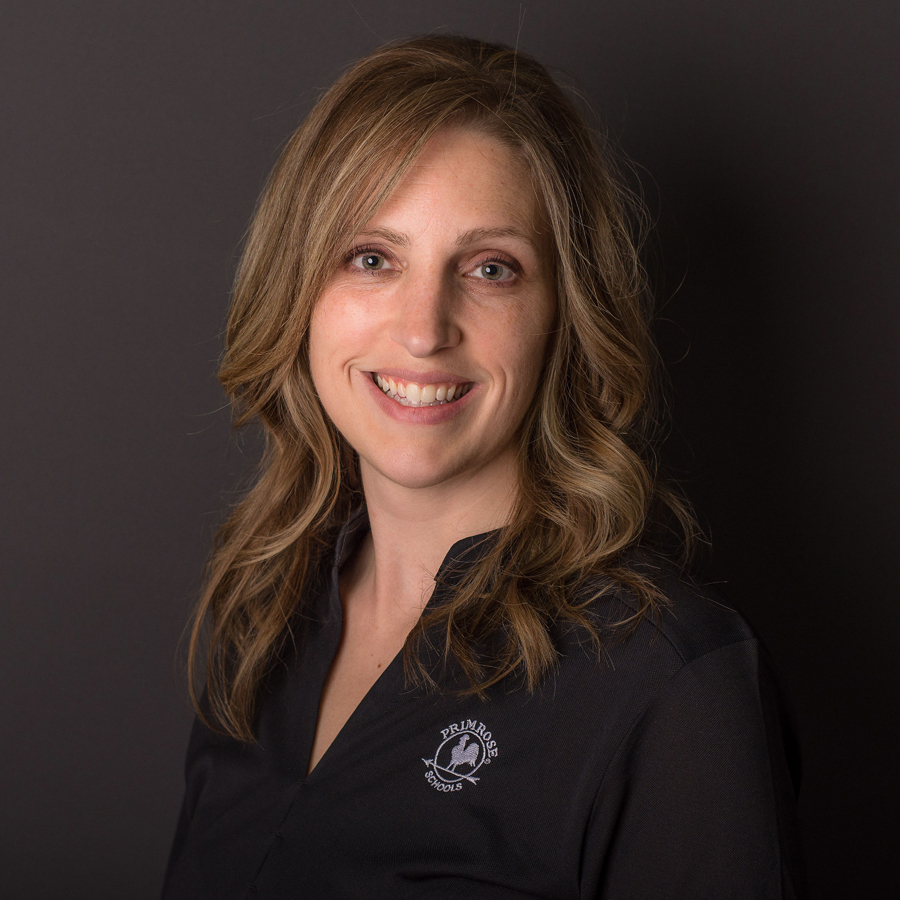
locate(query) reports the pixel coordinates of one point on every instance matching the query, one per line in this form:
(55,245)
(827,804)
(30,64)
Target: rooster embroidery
(462,754)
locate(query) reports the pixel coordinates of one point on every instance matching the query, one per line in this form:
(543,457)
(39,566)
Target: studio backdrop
(765,140)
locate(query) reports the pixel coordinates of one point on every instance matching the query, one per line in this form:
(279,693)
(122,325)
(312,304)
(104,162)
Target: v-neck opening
(348,541)
(358,711)
(355,529)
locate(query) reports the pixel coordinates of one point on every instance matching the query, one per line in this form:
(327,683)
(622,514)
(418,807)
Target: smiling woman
(443,657)
(449,289)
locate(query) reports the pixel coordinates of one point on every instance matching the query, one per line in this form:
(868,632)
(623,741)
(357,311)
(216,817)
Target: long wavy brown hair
(587,475)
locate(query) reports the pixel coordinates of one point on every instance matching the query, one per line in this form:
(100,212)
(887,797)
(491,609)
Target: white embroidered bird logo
(462,754)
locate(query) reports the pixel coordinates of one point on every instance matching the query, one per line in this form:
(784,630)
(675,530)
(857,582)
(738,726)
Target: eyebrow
(393,236)
(467,237)
(479,234)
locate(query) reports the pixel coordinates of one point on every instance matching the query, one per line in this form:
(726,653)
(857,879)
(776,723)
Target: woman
(442,659)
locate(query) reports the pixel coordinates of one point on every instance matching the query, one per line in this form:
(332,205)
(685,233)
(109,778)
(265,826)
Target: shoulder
(691,621)
(693,654)
(703,763)
(692,686)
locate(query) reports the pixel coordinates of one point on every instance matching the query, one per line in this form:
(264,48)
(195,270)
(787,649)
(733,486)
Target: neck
(412,529)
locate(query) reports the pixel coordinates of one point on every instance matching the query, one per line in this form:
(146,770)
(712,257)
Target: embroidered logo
(465,747)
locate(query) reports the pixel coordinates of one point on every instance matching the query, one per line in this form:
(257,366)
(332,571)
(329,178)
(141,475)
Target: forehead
(464,175)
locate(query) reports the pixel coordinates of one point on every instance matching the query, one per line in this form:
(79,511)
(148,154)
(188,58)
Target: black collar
(459,559)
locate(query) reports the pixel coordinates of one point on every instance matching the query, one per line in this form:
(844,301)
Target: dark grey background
(135,138)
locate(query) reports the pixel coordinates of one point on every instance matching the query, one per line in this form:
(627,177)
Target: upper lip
(433,377)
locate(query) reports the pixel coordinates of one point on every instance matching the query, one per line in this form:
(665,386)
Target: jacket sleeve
(195,773)
(699,801)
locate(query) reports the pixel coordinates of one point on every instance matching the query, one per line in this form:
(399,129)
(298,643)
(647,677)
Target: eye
(369,261)
(494,270)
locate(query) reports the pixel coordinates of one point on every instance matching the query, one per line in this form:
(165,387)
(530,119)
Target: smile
(409,393)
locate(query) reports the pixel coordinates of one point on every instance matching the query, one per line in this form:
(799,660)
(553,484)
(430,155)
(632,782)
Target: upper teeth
(408,393)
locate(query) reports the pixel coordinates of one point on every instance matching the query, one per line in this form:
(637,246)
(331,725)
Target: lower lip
(418,415)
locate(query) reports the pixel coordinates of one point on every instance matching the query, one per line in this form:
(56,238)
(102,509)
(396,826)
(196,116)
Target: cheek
(527,332)
(318,344)
(326,344)
(339,329)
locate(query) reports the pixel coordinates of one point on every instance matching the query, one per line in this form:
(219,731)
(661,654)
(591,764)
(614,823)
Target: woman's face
(427,344)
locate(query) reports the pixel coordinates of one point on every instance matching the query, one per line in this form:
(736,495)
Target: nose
(424,320)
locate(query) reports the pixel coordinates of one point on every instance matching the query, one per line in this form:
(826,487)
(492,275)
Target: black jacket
(666,770)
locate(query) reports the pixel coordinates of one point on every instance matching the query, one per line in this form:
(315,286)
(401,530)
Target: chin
(413,471)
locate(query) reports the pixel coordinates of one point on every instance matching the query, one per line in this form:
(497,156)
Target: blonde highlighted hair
(587,476)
